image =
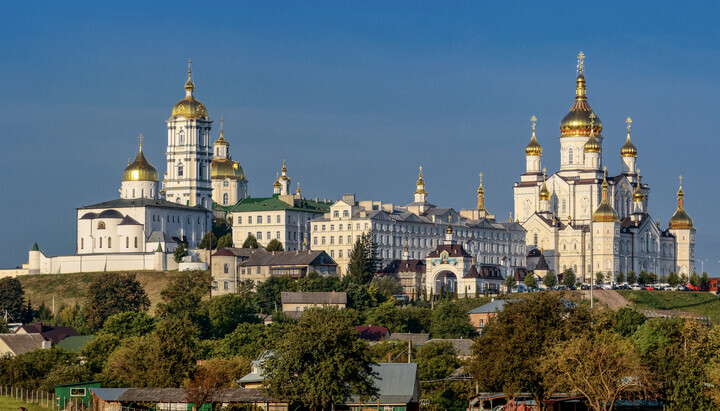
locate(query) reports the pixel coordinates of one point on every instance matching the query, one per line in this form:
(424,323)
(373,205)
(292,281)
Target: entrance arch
(445,281)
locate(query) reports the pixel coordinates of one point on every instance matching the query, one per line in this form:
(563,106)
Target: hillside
(698,303)
(71,288)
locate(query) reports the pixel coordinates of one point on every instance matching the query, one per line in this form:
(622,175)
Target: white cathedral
(582,219)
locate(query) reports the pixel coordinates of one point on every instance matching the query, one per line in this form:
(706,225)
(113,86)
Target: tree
(182,297)
(683,279)
(436,360)
(530,281)
(227,311)
(225,241)
(451,320)
(598,368)
(110,294)
(644,278)
(180,252)
(510,282)
(550,279)
(274,245)
(205,242)
(213,375)
(620,277)
(129,324)
(320,362)
(97,351)
(11,298)
(599,278)
(387,286)
(506,357)
(673,279)
(317,283)
(387,315)
(268,292)
(694,279)
(247,340)
(364,260)
(31,369)
(704,282)
(627,321)
(631,277)
(569,278)
(250,242)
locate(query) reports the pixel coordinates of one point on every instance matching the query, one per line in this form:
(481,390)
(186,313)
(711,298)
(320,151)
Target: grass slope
(700,303)
(8,403)
(71,288)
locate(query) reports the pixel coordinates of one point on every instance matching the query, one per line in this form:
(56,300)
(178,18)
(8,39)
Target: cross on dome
(581,58)
(629,123)
(534,120)
(140,139)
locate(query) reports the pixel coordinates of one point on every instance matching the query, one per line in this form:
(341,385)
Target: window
(100,242)
(136,246)
(225,199)
(239,220)
(570,155)
(340,253)
(259,219)
(181,136)
(77,392)
(249,220)
(277,220)
(332,253)
(226,285)
(336,214)
(323,227)
(259,235)
(349,239)
(269,219)
(109,242)
(315,240)
(277,234)
(340,227)
(332,239)
(257,270)
(101,225)
(268,235)
(340,239)
(345,213)
(82,243)
(226,269)
(180,170)
(322,241)
(226,183)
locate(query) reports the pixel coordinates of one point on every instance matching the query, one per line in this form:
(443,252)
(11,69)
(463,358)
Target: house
(105,399)
(372,332)
(50,333)
(462,346)
(409,272)
(415,339)
(231,266)
(398,387)
(480,316)
(176,399)
(297,302)
(75,395)
(16,344)
(255,378)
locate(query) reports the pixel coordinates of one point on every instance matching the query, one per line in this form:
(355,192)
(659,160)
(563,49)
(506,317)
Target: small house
(72,395)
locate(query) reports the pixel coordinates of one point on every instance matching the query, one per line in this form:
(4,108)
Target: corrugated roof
(108,394)
(280,258)
(396,384)
(490,307)
(313,297)
(75,343)
(22,343)
(178,395)
(274,203)
(461,345)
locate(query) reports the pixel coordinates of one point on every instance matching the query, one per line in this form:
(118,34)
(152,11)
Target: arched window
(226,269)
(181,136)
(564,207)
(226,183)
(101,226)
(133,192)
(100,242)
(570,155)
(225,199)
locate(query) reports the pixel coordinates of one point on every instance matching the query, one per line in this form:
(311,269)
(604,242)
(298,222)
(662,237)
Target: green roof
(76,343)
(274,203)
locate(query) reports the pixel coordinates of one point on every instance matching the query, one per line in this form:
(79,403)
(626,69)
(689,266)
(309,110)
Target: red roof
(372,332)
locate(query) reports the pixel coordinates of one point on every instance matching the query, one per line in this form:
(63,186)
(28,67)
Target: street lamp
(702,265)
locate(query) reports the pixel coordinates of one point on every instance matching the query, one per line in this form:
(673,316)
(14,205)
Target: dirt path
(610,298)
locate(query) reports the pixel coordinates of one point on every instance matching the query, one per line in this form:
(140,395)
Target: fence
(42,398)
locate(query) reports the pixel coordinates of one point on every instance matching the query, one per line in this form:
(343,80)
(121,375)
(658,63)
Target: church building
(584,220)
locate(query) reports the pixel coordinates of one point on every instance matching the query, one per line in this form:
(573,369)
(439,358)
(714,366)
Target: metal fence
(42,398)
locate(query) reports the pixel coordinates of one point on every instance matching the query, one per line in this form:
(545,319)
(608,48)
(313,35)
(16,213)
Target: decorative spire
(592,145)
(420,183)
(638,194)
(481,195)
(581,58)
(298,189)
(222,127)
(681,220)
(544,194)
(449,229)
(189,85)
(628,149)
(534,148)
(284,167)
(140,140)
(605,213)
(580,92)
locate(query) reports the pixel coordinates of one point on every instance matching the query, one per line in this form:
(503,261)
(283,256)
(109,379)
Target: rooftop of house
(397,383)
(275,203)
(313,298)
(22,343)
(51,333)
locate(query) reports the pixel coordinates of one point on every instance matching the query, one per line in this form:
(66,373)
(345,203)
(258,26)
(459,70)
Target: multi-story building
(584,220)
(419,227)
(284,216)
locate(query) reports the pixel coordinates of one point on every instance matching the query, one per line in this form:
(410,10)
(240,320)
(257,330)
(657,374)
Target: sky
(356,95)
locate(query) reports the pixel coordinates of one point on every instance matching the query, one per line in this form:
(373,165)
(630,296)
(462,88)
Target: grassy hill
(700,303)
(71,288)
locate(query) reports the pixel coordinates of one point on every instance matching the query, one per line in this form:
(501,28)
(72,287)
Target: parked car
(584,286)
(636,287)
(608,286)
(648,287)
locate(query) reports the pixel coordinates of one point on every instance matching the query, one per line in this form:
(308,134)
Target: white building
(284,216)
(419,227)
(587,222)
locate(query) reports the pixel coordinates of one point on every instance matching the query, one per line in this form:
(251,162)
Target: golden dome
(420,184)
(605,213)
(140,169)
(638,194)
(222,168)
(578,122)
(544,194)
(534,148)
(628,149)
(681,220)
(592,145)
(189,107)
(449,229)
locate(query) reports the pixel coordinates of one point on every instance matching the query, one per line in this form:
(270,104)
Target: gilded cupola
(222,168)
(681,220)
(534,148)
(544,194)
(481,195)
(578,122)
(605,213)
(638,194)
(140,169)
(420,184)
(189,107)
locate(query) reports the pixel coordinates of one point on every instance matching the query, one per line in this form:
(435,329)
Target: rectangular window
(226,285)
(345,213)
(82,243)
(322,241)
(257,271)
(259,219)
(101,243)
(278,219)
(136,246)
(349,239)
(336,214)
(332,227)
(277,234)
(77,392)
(239,220)
(340,253)
(109,242)
(323,227)
(249,219)
(339,239)
(269,219)
(332,253)
(268,235)
(315,240)
(332,239)
(259,235)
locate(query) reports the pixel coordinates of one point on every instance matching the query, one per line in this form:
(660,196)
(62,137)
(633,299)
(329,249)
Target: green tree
(250,242)
(31,369)
(387,315)
(129,324)
(248,340)
(97,351)
(510,282)
(225,241)
(451,320)
(180,252)
(530,281)
(683,279)
(627,321)
(182,297)
(387,286)
(227,311)
(673,279)
(364,260)
(268,292)
(320,362)
(507,355)
(704,282)
(205,242)
(436,360)
(550,279)
(695,279)
(599,278)
(274,245)
(620,277)
(12,298)
(644,278)
(631,277)
(569,279)
(314,282)
(110,294)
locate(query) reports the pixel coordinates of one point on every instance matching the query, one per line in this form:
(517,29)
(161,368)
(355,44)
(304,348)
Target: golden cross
(544,171)
(481,174)
(581,57)
(534,120)
(449,219)
(628,122)
(605,171)
(189,65)
(140,138)
(680,177)
(221,123)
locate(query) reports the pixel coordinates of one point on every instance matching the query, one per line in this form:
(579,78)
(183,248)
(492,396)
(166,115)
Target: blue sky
(357,95)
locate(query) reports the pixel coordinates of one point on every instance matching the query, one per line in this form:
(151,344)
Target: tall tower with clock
(189,151)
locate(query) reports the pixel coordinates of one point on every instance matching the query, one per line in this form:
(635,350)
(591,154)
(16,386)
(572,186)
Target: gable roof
(288,258)
(107,394)
(454,250)
(22,343)
(397,383)
(274,204)
(237,252)
(143,202)
(75,343)
(404,266)
(461,345)
(53,334)
(313,297)
(490,307)
(542,263)
(246,395)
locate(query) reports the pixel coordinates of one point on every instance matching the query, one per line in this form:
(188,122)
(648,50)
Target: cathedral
(583,219)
